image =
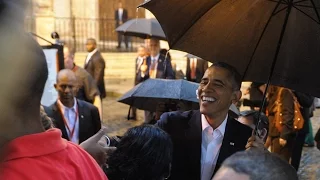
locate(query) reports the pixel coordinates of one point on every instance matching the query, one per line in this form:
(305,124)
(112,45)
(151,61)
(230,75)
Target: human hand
(255,142)
(143,68)
(96,147)
(282,142)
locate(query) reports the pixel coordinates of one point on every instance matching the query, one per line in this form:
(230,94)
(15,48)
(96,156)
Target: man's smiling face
(216,92)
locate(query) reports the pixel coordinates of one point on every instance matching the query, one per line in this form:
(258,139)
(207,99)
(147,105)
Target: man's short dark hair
(93,40)
(260,164)
(236,77)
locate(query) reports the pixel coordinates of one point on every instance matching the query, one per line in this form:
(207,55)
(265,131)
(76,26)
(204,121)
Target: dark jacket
(305,102)
(95,67)
(89,120)
(164,68)
(287,109)
(186,134)
(138,77)
(124,16)
(201,68)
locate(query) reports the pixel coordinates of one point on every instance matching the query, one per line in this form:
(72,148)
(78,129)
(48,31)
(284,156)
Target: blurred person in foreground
(87,87)
(144,153)
(77,119)
(27,151)
(255,164)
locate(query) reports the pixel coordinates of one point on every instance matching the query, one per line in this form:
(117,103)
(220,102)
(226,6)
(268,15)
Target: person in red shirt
(27,151)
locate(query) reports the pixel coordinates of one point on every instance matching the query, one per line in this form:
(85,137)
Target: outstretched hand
(255,142)
(97,148)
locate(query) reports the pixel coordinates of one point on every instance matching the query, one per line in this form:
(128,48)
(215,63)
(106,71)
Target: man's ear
(263,133)
(236,96)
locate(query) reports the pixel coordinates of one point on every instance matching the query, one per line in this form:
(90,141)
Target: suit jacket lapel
(194,139)
(228,146)
(57,116)
(81,121)
(89,61)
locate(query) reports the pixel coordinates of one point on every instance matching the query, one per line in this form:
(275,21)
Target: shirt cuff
(107,140)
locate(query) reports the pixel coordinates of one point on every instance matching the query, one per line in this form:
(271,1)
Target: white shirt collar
(92,52)
(155,57)
(221,128)
(75,106)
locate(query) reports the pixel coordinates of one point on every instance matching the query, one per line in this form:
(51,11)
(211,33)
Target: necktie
(193,69)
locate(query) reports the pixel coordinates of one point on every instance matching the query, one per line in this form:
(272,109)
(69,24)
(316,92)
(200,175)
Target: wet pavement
(115,118)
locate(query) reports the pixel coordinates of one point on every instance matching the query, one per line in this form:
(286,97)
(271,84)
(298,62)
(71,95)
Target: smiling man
(203,139)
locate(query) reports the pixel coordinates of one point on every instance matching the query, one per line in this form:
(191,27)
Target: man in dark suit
(77,119)
(121,16)
(203,139)
(159,66)
(95,65)
(195,69)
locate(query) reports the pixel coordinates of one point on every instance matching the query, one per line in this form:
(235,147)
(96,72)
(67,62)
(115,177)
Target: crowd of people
(68,140)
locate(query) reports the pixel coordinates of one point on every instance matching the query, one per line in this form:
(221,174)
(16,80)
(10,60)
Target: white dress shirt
(90,55)
(154,59)
(72,120)
(139,63)
(120,13)
(210,146)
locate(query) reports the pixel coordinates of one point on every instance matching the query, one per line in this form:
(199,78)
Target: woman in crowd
(144,153)
(280,111)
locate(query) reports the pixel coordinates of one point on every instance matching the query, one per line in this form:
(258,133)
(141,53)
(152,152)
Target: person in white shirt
(204,138)
(121,16)
(95,65)
(77,119)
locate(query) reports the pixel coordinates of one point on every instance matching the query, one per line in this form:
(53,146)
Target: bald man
(77,119)
(23,140)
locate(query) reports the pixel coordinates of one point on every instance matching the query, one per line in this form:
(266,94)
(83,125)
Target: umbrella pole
(290,4)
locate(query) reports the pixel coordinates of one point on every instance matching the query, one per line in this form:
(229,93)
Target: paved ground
(115,119)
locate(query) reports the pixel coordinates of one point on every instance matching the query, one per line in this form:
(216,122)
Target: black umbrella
(276,41)
(149,94)
(144,28)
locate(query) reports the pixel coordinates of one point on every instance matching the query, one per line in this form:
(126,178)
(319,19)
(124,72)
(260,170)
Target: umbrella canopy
(144,28)
(258,37)
(148,94)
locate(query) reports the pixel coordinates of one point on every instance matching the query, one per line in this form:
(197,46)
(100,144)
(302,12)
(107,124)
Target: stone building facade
(77,20)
